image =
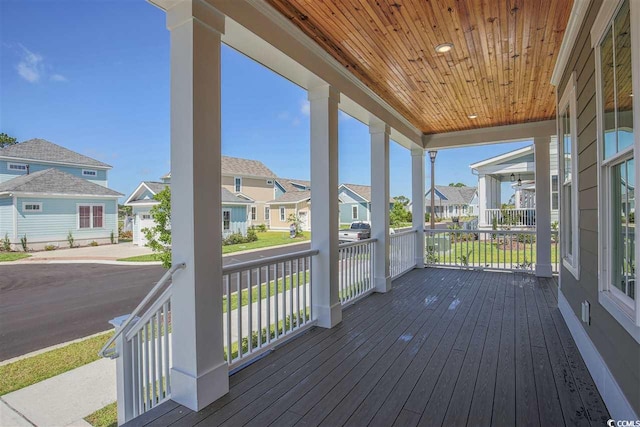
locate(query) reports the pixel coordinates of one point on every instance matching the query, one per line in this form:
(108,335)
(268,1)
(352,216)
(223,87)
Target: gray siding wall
(619,350)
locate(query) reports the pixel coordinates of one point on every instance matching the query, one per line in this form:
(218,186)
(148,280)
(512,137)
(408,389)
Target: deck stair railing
(265,302)
(522,217)
(355,273)
(143,351)
(402,252)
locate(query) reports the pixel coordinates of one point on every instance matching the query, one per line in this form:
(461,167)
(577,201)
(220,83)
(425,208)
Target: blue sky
(93,76)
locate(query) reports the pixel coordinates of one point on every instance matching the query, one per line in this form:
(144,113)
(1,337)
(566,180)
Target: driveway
(103,252)
(47,304)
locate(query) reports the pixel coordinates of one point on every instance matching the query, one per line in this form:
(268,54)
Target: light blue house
(235,213)
(355,203)
(48,192)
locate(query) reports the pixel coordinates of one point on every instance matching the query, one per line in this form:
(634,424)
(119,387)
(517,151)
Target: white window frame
(628,316)
(237,184)
(146,214)
(226,211)
(254,213)
(91,227)
(570,256)
(21,167)
(354,212)
(267,213)
(283,214)
(25,204)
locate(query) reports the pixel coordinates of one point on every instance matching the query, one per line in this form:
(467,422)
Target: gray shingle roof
(454,195)
(241,167)
(156,187)
(288,184)
(43,150)
(229,197)
(292,197)
(363,191)
(54,181)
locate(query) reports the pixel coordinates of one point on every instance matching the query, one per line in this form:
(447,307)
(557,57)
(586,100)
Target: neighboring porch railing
(265,301)
(402,252)
(555,253)
(524,217)
(510,250)
(355,270)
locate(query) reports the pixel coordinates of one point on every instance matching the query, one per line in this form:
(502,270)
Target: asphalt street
(46,304)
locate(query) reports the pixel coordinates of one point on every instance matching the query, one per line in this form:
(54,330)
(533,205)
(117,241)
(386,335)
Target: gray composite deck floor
(445,347)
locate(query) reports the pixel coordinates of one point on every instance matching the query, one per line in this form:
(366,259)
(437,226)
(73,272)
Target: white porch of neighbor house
(189,362)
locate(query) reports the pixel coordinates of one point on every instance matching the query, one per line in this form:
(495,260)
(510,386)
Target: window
(253,213)
(20,167)
(354,212)
(226,220)
(145,216)
(266,213)
(617,145)
(282,214)
(568,151)
(554,192)
(29,207)
(90,216)
(89,172)
(269,182)
(237,184)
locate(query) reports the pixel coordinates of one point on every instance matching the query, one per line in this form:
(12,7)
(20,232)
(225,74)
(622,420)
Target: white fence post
(124,373)
(418,197)
(380,203)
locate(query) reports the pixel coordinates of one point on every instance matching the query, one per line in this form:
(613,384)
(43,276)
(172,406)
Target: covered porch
(445,347)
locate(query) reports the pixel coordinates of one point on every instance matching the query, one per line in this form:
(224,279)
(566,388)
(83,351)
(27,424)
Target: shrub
(233,239)
(112,237)
(252,236)
(159,236)
(23,242)
(526,238)
(71,240)
(93,243)
(632,217)
(6,243)
(262,228)
(126,235)
(50,248)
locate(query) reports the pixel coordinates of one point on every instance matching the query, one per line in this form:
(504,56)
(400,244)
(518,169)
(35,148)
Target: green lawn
(265,240)
(25,372)
(105,417)
(12,256)
(282,285)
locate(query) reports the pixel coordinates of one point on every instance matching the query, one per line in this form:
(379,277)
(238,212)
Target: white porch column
(418,198)
(324,204)
(482,200)
(200,374)
(518,197)
(380,203)
(543,208)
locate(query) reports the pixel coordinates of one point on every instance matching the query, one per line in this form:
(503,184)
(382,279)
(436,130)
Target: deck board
(445,347)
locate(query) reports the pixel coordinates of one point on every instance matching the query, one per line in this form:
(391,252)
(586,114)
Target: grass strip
(12,256)
(105,417)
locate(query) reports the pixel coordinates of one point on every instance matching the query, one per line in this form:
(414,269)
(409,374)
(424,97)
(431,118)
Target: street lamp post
(432,156)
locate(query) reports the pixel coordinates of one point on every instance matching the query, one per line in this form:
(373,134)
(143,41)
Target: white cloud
(58,78)
(31,66)
(305,108)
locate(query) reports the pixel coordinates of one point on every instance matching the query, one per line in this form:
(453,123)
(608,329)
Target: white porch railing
(265,301)
(524,217)
(355,270)
(402,252)
(510,250)
(143,349)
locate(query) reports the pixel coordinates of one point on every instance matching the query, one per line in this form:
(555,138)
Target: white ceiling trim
(578,14)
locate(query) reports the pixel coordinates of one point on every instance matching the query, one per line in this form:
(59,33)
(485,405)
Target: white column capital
(376,127)
(418,152)
(180,12)
(324,91)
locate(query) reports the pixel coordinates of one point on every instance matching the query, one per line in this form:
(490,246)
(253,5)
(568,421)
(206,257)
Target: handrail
(359,242)
(403,233)
(169,274)
(489,231)
(242,266)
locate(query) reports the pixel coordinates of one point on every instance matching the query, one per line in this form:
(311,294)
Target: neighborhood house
(453,201)
(50,195)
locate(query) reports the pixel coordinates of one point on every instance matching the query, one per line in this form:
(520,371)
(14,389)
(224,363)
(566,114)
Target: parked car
(359,230)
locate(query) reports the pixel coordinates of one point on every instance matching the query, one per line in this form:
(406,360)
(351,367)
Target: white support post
(380,204)
(200,375)
(417,207)
(124,373)
(543,207)
(324,205)
(482,200)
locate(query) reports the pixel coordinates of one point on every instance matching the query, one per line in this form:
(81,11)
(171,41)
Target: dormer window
(89,172)
(18,167)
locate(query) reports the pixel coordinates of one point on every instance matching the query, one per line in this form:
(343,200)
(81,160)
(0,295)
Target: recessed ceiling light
(444,47)
(473,116)
(630,94)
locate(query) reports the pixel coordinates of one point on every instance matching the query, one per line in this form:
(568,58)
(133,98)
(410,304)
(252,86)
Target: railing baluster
(249,311)
(284,298)
(275,300)
(167,344)
(259,273)
(227,279)
(239,312)
(268,280)
(159,356)
(291,296)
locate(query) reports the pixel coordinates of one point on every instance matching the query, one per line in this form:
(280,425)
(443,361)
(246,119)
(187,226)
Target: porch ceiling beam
(259,31)
(490,135)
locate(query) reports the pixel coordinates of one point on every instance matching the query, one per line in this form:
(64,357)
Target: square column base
(419,262)
(383,284)
(544,270)
(328,317)
(197,393)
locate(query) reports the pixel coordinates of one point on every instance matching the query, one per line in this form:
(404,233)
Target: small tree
(456,184)
(159,236)
(295,220)
(399,213)
(6,140)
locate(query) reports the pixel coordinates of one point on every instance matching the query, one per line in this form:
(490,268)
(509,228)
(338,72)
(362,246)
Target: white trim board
(617,403)
(578,13)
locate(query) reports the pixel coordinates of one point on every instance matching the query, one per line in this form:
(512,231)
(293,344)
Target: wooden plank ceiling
(499,68)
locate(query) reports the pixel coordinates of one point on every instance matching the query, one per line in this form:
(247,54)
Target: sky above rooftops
(93,76)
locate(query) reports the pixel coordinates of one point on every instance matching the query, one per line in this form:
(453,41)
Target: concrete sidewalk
(63,400)
(103,252)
